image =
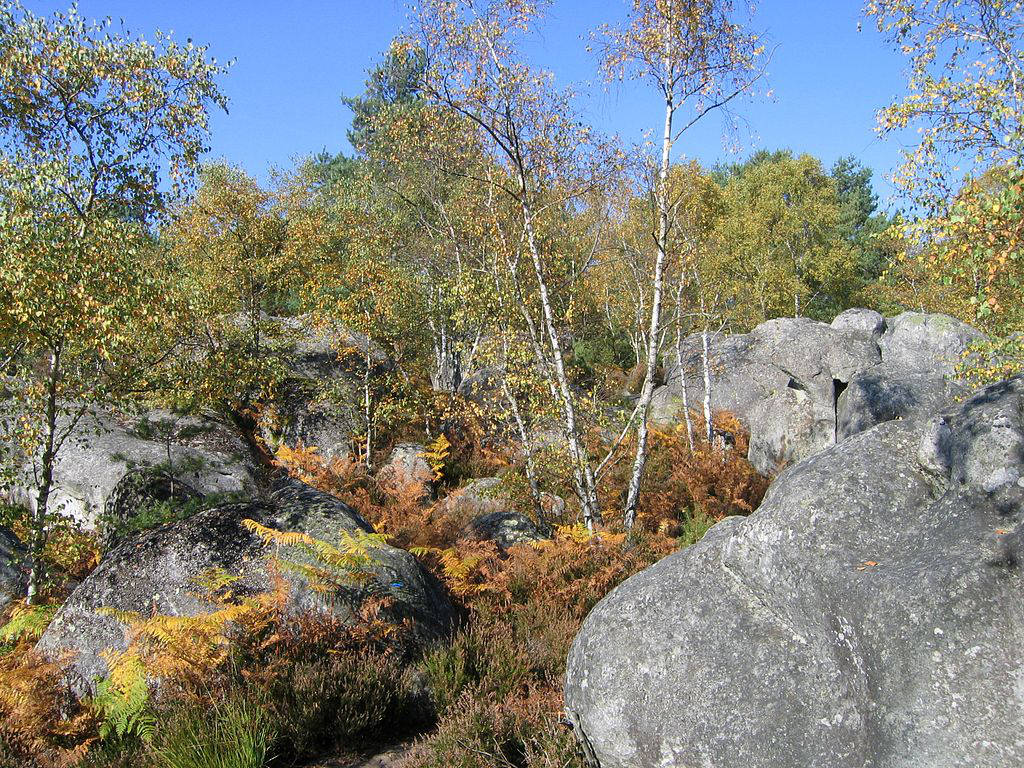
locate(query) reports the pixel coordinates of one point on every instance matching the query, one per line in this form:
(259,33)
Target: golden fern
(437,454)
(465,573)
(27,623)
(335,567)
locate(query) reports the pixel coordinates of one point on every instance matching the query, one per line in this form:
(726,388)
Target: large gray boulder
(869,615)
(104,446)
(407,468)
(780,380)
(12,574)
(919,341)
(890,391)
(157,571)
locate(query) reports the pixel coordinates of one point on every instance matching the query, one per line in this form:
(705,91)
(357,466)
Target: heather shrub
(346,700)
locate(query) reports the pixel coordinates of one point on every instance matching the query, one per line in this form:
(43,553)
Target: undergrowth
(252,683)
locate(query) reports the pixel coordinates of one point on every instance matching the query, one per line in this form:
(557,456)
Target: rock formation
(869,615)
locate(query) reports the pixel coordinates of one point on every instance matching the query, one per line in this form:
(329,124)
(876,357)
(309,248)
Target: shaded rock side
(12,573)
(140,489)
(156,571)
(869,615)
(487,516)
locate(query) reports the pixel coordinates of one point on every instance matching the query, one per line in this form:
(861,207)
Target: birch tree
(93,122)
(542,165)
(229,245)
(698,58)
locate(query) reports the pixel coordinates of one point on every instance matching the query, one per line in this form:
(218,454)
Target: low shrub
(497,686)
(342,701)
(233,731)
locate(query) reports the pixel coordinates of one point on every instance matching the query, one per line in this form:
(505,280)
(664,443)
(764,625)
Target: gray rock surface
(890,391)
(506,528)
(104,446)
(860,320)
(406,467)
(319,402)
(785,379)
(12,575)
(156,570)
(486,515)
(869,615)
(919,341)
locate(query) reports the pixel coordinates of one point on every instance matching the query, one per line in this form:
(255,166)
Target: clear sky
(294,61)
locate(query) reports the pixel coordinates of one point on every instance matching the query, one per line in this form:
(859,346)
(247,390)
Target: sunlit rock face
(870,613)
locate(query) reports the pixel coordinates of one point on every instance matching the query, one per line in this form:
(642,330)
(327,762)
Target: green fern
(27,623)
(122,701)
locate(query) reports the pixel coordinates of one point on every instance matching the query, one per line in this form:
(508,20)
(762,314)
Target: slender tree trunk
(447,373)
(531,467)
(582,471)
(705,343)
(37,542)
(687,418)
(368,408)
(653,333)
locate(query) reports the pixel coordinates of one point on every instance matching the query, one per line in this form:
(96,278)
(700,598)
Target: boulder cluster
(799,385)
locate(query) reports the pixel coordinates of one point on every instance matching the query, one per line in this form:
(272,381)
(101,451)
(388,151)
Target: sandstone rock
(869,614)
(888,391)
(506,528)
(137,491)
(485,515)
(483,387)
(12,574)
(861,321)
(156,570)
(406,467)
(879,369)
(786,427)
(319,403)
(104,446)
(919,341)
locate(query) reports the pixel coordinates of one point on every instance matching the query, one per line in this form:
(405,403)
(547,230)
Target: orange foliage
(712,480)
(40,722)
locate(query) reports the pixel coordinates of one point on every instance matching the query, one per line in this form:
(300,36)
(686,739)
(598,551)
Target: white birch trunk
(705,343)
(653,333)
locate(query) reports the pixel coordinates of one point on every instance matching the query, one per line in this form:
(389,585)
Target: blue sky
(294,61)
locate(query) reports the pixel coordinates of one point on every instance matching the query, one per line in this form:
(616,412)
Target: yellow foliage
(437,454)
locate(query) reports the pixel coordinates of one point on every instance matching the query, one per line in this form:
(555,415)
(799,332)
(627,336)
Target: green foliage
(860,224)
(149,516)
(26,623)
(694,526)
(782,249)
(341,700)
(330,570)
(233,732)
(122,703)
(397,80)
(228,245)
(95,126)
